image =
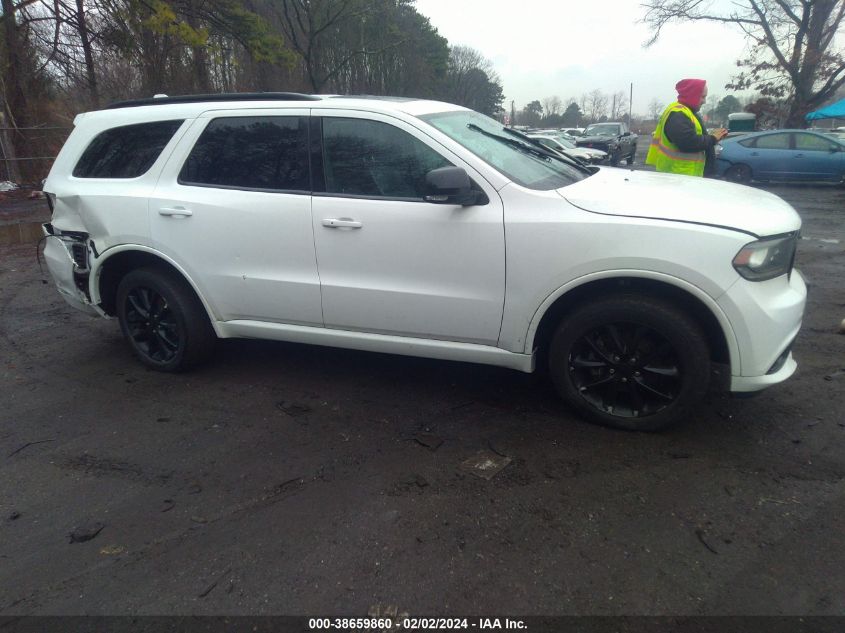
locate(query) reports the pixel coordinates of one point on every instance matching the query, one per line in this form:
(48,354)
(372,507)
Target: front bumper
(766,317)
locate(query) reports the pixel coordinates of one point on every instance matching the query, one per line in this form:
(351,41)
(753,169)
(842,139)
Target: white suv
(420,228)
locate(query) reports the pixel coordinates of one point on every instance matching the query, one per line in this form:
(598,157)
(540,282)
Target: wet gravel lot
(290,479)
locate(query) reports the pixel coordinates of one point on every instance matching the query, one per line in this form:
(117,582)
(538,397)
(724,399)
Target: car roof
(164,107)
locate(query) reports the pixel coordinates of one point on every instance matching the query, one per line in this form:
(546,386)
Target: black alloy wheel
(152,326)
(625,369)
(630,362)
(163,320)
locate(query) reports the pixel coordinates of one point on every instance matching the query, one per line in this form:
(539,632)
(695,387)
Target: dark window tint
(370,158)
(264,152)
(125,152)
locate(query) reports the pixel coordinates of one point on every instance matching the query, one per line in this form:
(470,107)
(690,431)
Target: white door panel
(418,269)
(412,268)
(250,252)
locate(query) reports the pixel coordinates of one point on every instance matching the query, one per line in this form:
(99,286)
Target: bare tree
(655,108)
(794,51)
(552,105)
(595,105)
(620,105)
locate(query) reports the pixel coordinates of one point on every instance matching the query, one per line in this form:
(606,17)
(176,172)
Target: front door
(816,158)
(391,263)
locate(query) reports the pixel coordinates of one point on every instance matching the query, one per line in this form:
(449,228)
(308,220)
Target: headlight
(766,259)
(717,150)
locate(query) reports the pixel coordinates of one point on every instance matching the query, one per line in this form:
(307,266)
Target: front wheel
(630,362)
(739,173)
(163,320)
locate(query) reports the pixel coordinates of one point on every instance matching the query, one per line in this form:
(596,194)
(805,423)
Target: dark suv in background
(613,138)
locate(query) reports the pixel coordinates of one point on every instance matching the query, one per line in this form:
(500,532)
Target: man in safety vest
(681,143)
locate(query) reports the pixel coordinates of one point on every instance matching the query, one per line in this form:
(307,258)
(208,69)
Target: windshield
(517,160)
(566,142)
(601,130)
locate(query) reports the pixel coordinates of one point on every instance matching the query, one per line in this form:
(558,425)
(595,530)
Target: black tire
(630,362)
(739,173)
(163,320)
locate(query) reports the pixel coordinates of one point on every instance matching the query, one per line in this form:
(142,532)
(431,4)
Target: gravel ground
(286,479)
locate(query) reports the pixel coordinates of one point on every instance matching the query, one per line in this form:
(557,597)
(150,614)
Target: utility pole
(630,104)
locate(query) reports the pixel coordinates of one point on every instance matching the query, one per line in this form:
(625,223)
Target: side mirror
(626,134)
(451,185)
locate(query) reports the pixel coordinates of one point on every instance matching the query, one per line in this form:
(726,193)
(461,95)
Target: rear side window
(125,152)
(773,141)
(264,152)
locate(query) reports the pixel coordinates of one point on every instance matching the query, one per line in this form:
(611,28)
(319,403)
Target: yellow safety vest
(665,155)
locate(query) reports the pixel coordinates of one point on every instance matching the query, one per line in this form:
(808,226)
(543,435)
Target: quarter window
(125,152)
(370,158)
(264,152)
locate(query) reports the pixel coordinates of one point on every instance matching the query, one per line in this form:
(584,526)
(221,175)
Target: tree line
(60,57)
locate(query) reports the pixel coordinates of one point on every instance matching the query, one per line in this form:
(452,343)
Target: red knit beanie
(689,91)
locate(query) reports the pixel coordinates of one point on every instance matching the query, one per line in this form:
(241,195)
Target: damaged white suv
(420,228)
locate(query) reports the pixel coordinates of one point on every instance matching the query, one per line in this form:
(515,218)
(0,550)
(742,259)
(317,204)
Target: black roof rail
(223,96)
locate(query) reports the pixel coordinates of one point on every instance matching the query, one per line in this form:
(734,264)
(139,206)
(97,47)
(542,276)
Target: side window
(125,152)
(773,141)
(812,143)
(749,142)
(261,152)
(370,158)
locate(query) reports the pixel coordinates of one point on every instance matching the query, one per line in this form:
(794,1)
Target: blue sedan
(797,155)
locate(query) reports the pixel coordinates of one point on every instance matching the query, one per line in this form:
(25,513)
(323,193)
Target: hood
(596,138)
(648,194)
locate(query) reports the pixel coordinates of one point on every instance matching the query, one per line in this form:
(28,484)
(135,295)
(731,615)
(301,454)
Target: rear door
(390,262)
(233,208)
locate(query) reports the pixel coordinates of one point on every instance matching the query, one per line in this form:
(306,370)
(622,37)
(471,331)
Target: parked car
(596,155)
(383,225)
(568,149)
(613,138)
(781,155)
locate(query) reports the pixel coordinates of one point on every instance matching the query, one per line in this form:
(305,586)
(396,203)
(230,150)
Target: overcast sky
(542,48)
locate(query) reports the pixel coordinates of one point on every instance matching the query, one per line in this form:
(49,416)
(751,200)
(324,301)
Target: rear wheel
(163,320)
(739,173)
(630,362)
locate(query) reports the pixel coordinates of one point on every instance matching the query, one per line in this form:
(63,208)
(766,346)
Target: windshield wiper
(561,157)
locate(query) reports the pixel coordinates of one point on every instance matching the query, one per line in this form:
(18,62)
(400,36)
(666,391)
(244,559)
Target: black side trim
(223,96)
(315,151)
(646,217)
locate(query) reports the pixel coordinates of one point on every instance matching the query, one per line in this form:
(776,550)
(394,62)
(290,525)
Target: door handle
(179,212)
(798,156)
(341,223)
(755,154)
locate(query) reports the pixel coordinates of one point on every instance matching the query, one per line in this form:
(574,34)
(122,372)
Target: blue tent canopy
(835,111)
